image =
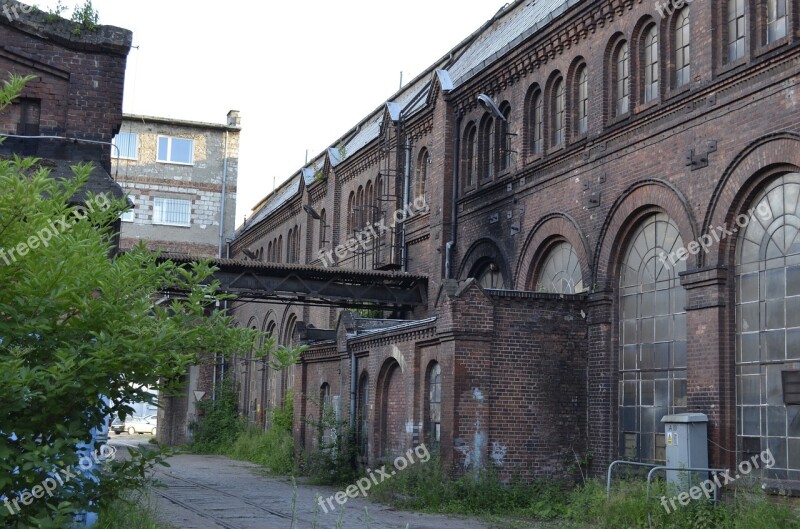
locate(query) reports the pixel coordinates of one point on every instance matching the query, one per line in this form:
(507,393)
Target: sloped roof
(511,25)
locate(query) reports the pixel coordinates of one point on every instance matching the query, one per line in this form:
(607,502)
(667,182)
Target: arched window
(582,116)
(652,338)
(777,20)
(327,418)
(369,201)
(420,179)
(279,249)
(323,228)
(350,218)
(561,271)
(290,246)
(270,257)
(736,30)
(490,276)
(469,153)
(683,43)
(434,433)
(486,141)
(622,91)
(503,141)
(297,244)
(358,209)
(768,325)
(651,64)
(536,122)
(559,112)
(362,424)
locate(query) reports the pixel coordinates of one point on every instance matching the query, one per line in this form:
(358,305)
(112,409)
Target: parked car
(117,425)
(142,425)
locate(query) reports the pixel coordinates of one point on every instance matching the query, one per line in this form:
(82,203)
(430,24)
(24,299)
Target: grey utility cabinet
(686,440)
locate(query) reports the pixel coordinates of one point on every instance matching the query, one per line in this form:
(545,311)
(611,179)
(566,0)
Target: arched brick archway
(481,252)
(550,229)
(638,201)
(760,161)
(391,406)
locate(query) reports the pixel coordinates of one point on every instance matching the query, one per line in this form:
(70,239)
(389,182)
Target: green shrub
(219,425)
(273,449)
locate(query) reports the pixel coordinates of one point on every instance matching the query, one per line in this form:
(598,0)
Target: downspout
(220,255)
(353,386)
(451,244)
(406,193)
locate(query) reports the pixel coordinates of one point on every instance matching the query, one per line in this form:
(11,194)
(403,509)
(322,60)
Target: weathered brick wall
(79,77)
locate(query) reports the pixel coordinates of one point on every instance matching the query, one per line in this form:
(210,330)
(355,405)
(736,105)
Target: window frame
(682,40)
(651,65)
(622,80)
(170,140)
(582,100)
(559,117)
(160,209)
(116,153)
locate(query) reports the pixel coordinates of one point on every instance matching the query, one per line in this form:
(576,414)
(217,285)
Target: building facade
(69,112)
(181,177)
(609,236)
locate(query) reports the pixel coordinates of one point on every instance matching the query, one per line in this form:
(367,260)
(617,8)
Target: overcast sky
(302,73)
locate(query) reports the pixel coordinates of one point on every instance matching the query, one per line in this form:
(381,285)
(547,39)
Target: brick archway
(484,250)
(550,229)
(391,407)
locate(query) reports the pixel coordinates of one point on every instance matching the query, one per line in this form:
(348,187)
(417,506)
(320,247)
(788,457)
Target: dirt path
(211,492)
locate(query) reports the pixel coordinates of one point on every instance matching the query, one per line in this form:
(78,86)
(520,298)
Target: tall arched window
(350,213)
(369,200)
(777,20)
(622,91)
(583,100)
(421,177)
(270,257)
(434,433)
(559,112)
(652,338)
(486,148)
(561,271)
(651,64)
(683,41)
(327,418)
(358,210)
(469,153)
(290,246)
(297,244)
(503,141)
(323,228)
(736,29)
(537,123)
(362,424)
(279,248)
(768,325)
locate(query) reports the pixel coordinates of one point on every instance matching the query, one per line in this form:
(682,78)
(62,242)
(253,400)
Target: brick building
(609,236)
(72,108)
(181,178)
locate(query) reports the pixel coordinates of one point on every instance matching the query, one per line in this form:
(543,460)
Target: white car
(141,424)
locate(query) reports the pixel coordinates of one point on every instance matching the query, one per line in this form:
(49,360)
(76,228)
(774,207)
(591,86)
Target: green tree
(78,323)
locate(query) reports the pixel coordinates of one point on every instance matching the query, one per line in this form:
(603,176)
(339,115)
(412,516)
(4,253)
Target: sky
(301,73)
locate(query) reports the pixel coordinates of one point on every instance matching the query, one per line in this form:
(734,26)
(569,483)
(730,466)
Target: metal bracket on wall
(698,158)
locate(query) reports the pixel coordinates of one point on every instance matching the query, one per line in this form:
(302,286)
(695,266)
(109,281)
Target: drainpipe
(353,387)
(451,244)
(224,192)
(406,193)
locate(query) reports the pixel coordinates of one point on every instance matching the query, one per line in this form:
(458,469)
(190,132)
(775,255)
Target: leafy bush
(219,425)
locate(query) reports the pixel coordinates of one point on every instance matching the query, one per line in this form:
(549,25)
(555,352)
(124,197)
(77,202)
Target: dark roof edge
(33,21)
(173,121)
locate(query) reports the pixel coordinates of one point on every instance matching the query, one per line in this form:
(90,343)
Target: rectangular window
(130,215)
(172,211)
(776,20)
(736,30)
(175,150)
(126,146)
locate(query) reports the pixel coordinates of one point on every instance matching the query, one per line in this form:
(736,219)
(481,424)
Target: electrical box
(686,440)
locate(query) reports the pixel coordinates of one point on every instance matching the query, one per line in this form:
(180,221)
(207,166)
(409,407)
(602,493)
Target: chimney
(234,120)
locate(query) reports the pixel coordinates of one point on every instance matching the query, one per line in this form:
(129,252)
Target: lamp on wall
(488,104)
(311,211)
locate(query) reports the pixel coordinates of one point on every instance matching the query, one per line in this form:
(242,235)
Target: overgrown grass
(135,512)
(273,449)
(425,488)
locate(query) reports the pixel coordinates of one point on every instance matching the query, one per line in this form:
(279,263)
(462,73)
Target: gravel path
(211,492)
